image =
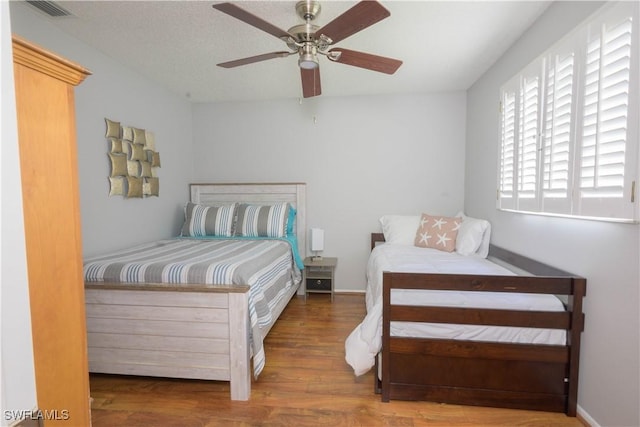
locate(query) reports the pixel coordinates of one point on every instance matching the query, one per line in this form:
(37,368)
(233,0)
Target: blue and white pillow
(262,220)
(200,220)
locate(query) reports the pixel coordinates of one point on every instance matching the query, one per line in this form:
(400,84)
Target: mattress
(365,342)
(266,265)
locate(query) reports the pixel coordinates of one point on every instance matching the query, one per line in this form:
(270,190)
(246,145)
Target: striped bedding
(267,266)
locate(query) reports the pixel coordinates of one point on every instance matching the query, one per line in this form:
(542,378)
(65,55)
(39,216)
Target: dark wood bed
(522,376)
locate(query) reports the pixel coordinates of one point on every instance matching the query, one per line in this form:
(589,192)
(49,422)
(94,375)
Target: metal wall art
(134,161)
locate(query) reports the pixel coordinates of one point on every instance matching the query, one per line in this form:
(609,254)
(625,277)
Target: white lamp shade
(317,239)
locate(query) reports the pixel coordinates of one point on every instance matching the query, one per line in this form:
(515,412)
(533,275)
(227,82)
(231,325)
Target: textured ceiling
(445,45)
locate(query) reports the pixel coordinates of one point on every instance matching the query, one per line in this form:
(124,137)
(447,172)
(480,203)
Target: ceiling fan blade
(359,17)
(252,59)
(310,82)
(251,19)
(367,60)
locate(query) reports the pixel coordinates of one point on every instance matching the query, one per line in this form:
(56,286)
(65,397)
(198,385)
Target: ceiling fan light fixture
(308,59)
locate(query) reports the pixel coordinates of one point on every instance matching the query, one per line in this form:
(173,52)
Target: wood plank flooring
(306,382)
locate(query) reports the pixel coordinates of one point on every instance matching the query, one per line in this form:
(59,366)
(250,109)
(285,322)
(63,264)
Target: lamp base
(316,258)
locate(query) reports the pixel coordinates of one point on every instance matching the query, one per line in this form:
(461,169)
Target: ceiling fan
(308,40)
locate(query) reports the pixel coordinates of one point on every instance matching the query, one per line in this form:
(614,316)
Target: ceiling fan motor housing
(308,9)
(303,33)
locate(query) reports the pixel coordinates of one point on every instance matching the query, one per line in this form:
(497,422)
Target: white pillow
(400,229)
(472,234)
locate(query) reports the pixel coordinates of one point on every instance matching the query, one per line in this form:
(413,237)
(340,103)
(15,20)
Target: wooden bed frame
(192,331)
(523,376)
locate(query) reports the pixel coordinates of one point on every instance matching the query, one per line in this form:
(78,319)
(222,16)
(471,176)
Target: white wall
(361,158)
(607,254)
(114,91)
(17,376)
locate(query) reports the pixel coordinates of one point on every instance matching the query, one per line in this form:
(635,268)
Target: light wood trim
(48,161)
(168,287)
(35,57)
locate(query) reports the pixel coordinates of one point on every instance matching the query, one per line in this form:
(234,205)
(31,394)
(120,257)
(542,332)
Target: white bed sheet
(365,341)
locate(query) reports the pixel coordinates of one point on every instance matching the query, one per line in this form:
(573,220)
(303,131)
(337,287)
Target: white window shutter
(506,178)
(558,134)
(527,141)
(570,123)
(602,188)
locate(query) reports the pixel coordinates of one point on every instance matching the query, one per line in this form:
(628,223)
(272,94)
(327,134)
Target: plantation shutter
(557,136)
(603,189)
(527,139)
(570,124)
(506,184)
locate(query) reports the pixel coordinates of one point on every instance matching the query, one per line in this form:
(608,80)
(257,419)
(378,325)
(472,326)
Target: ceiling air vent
(50,8)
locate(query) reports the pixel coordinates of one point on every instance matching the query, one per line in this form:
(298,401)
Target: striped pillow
(262,220)
(200,220)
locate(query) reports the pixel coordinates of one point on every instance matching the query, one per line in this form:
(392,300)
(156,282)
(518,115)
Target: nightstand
(318,275)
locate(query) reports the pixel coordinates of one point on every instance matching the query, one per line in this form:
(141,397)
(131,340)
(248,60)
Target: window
(569,124)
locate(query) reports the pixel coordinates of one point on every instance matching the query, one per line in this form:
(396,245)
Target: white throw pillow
(400,229)
(471,234)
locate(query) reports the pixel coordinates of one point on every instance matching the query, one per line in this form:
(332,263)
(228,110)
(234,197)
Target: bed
(199,306)
(486,329)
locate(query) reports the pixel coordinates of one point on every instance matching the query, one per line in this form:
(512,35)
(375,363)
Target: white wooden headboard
(258,193)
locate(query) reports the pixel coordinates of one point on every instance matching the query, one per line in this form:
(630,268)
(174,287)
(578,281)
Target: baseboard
(348,292)
(586,419)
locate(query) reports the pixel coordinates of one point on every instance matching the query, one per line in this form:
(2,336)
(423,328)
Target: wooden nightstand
(318,275)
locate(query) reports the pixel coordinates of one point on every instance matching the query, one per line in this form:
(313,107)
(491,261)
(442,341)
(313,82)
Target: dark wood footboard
(524,376)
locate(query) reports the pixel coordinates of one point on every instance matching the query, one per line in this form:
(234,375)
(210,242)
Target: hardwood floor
(305,382)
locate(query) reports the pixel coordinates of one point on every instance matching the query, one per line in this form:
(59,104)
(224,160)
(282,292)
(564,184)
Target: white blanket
(365,342)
